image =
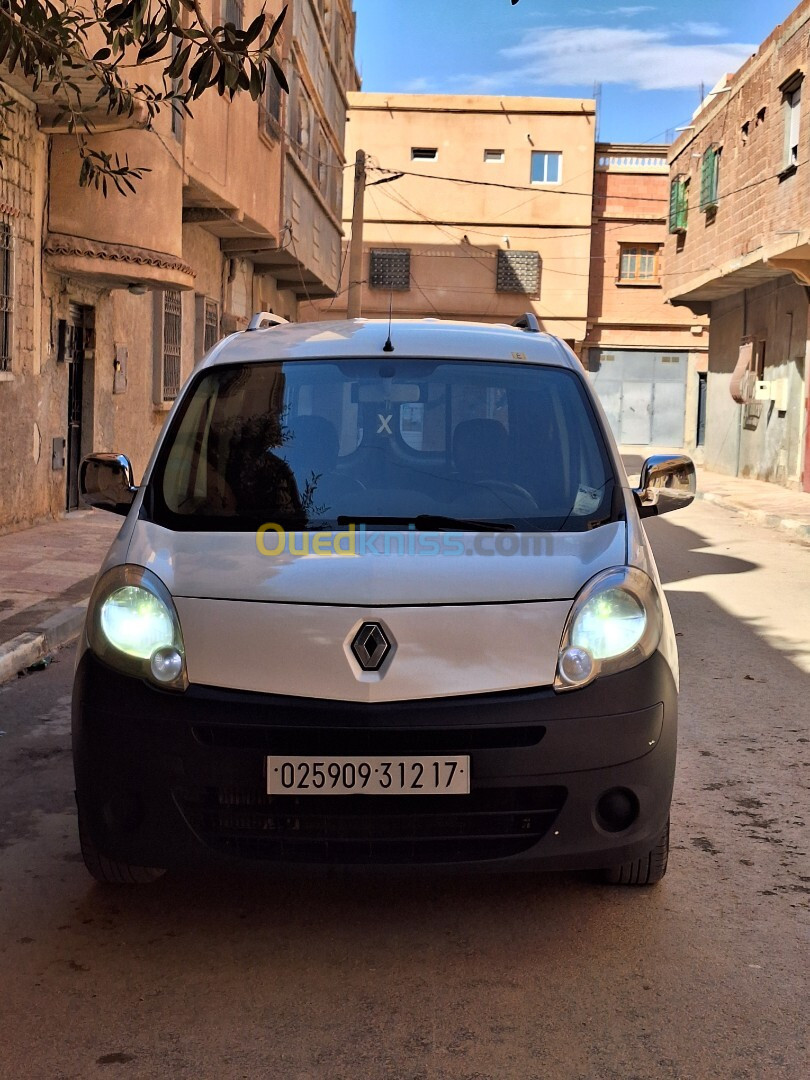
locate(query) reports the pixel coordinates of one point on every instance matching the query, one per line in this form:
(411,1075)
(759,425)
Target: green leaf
(276,26)
(254,30)
(281,78)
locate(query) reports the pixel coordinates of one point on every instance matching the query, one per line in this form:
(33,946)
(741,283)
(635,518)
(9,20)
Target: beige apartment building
(646,358)
(490,207)
(489,215)
(738,250)
(105,304)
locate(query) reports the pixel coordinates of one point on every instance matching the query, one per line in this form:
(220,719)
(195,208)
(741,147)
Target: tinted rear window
(305,443)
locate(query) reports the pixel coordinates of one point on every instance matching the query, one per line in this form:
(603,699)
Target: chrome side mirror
(666,483)
(106,482)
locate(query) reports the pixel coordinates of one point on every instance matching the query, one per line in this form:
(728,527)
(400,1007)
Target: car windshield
(317,444)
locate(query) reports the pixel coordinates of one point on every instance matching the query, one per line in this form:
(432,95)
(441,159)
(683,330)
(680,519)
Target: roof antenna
(388,346)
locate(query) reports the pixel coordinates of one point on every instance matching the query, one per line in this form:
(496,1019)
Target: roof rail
(528,322)
(266,318)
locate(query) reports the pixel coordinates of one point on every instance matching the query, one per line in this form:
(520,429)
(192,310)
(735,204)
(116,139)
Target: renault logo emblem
(370,646)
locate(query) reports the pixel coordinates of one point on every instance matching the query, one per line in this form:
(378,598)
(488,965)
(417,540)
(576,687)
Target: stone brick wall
(30,394)
(757,201)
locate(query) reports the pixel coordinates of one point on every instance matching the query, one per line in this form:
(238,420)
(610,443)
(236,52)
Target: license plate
(368,776)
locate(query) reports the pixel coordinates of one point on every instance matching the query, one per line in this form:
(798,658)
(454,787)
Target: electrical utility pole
(356,250)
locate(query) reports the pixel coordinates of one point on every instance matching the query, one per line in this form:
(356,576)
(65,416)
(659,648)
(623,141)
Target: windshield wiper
(429,521)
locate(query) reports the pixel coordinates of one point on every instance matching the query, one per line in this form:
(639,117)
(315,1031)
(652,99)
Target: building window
(791,106)
(270,106)
(709,174)
(303,120)
(172,339)
(640,263)
(518,271)
(494,157)
(546,167)
(678,204)
(424,153)
(211,328)
(6,294)
(390,269)
(233,11)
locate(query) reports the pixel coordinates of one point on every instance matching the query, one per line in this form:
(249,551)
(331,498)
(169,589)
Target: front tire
(110,871)
(646,870)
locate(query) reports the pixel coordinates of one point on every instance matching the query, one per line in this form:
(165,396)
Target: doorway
(78,349)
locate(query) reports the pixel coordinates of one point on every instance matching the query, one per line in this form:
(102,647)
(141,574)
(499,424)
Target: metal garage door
(643,394)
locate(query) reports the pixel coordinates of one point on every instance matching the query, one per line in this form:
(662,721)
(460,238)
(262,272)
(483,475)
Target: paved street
(407,976)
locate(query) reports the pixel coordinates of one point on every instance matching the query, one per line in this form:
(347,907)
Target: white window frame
(424,153)
(494,157)
(791,108)
(547,154)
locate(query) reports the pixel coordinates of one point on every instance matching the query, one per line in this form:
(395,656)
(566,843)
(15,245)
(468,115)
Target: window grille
(6,295)
(424,153)
(709,174)
(678,204)
(233,13)
(211,328)
(390,269)
(172,338)
(494,156)
(518,271)
(639,262)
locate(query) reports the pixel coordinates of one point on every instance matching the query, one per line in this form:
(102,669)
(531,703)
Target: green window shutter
(678,204)
(674,191)
(708,179)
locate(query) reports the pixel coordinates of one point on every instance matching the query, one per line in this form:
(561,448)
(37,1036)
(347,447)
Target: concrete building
(490,216)
(738,249)
(647,359)
(107,303)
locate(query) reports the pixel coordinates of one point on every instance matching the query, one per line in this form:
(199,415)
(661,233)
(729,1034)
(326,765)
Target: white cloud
(630,10)
(645,59)
(702,29)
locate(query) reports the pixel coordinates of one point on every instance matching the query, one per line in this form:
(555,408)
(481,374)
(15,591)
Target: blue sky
(650,58)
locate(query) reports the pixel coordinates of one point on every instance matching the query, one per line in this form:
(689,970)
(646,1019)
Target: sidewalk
(47,572)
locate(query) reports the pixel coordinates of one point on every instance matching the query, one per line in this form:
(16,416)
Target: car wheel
(647,870)
(112,872)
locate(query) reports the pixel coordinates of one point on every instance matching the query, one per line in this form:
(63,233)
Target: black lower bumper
(582,779)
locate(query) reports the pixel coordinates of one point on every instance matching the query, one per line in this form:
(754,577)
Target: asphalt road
(405,976)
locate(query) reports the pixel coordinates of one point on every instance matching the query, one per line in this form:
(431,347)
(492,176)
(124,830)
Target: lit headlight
(133,626)
(615,624)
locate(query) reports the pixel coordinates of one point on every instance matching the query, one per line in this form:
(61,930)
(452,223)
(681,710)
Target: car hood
(385,569)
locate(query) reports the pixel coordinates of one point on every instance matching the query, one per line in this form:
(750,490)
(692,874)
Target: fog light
(166,664)
(617,810)
(576,665)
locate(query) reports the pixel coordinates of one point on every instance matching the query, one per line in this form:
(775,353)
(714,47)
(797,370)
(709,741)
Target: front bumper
(172,780)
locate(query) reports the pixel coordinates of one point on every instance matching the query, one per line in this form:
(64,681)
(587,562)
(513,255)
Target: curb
(800,530)
(53,633)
